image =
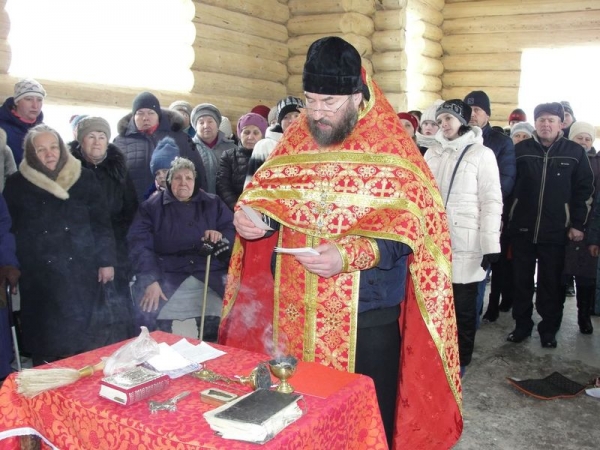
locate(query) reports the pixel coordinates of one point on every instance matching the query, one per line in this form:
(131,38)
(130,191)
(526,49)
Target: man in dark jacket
(140,131)
(503,148)
(21,112)
(551,201)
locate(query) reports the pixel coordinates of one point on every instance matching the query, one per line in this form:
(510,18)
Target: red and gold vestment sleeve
(358,253)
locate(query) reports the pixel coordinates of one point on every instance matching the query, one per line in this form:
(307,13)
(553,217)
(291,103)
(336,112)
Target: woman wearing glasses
(233,166)
(468,178)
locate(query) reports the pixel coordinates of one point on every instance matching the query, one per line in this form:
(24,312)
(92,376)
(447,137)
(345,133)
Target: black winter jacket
(138,148)
(553,190)
(504,149)
(231,177)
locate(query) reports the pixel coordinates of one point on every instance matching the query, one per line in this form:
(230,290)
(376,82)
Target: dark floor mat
(553,386)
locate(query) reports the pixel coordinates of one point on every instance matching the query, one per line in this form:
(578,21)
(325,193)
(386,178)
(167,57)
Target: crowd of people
(408,212)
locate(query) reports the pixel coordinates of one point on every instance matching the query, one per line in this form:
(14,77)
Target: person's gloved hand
(11,275)
(488,260)
(223,250)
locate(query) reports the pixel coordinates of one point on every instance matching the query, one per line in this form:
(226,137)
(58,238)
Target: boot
(585,298)
(492,312)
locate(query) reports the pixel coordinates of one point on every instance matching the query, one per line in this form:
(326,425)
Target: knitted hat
(412,119)
(554,108)
(457,108)
(181,104)
(429,113)
(480,99)
(206,109)
(333,67)
(567,108)
(75,119)
(89,124)
(252,119)
(262,110)
(146,100)
(288,105)
(28,86)
(582,127)
(521,127)
(165,152)
(518,115)
(225,127)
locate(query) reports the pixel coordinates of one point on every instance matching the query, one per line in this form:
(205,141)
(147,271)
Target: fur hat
(332,67)
(554,108)
(287,105)
(225,127)
(522,127)
(28,86)
(252,119)
(567,108)
(517,115)
(582,127)
(181,104)
(89,124)
(261,110)
(206,109)
(145,100)
(457,108)
(165,152)
(412,119)
(429,113)
(479,99)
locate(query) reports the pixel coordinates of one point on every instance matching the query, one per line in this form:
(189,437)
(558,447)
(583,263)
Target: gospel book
(255,417)
(133,385)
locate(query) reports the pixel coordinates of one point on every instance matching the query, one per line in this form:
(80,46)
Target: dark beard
(337,133)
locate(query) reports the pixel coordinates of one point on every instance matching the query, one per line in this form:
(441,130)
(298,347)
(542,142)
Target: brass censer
(259,377)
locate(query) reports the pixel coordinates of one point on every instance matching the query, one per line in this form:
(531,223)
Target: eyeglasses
(325,112)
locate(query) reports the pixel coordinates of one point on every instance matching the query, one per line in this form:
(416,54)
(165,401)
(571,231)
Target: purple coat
(165,237)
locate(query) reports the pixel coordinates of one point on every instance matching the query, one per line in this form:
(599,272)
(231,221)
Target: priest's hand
(245,227)
(151,297)
(327,264)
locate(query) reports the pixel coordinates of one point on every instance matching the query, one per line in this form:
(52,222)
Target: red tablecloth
(341,410)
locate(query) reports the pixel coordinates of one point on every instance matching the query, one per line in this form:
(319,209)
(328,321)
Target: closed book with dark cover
(133,385)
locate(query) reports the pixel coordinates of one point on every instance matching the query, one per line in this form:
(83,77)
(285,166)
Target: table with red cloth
(341,410)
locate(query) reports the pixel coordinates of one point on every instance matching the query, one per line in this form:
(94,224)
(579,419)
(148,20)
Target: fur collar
(67,177)
(113,164)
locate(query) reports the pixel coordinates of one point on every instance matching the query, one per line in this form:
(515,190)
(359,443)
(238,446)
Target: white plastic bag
(136,352)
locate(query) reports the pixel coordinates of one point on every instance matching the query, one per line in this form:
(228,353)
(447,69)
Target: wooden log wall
(240,60)
(423,48)
(483,41)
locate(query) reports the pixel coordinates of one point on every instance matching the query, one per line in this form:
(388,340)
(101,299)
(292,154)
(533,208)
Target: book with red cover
(133,385)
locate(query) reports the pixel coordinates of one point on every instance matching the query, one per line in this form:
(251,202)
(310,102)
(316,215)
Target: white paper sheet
(196,353)
(255,218)
(297,251)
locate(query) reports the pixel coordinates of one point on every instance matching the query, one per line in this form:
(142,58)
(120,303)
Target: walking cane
(205,295)
(11,324)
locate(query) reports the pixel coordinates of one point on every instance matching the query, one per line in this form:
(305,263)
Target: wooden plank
(495,93)
(589,20)
(392,4)
(313,7)
(271,9)
(390,40)
(492,61)
(482,79)
(419,28)
(5,56)
(435,4)
(392,19)
(511,42)
(222,18)
(425,65)
(231,41)
(344,23)
(236,86)
(427,48)
(389,61)
(426,83)
(299,45)
(391,81)
(456,10)
(4,24)
(425,12)
(397,100)
(214,61)
(422,100)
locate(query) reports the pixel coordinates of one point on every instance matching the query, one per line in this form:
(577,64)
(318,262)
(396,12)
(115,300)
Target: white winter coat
(474,208)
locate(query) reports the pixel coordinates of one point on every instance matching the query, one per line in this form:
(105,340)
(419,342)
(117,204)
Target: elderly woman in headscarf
(92,148)
(65,245)
(170,239)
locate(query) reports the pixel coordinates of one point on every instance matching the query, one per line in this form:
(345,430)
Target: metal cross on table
(167,405)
